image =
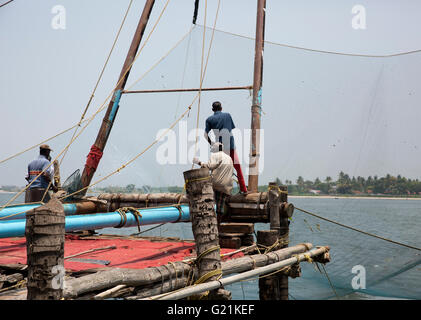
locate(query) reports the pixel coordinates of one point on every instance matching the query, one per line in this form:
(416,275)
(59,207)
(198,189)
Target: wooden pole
(284,237)
(144,278)
(257,97)
(275,287)
(274,202)
(45,251)
(113,106)
(204,223)
(268,285)
(188,90)
(211,285)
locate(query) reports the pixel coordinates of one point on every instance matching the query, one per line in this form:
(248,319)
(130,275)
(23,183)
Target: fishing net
(361,263)
(322,113)
(73,183)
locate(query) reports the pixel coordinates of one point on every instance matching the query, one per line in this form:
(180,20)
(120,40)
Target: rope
(2,5)
(160,60)
(325,51)
(38,144)
(328,279)
(201,80)
(17,285)
(134,211)
(136,157)
(92,117)
(101,74)
(357,230)
(277,188)
(202,74)
(206,277)
(193,180)
(62,132)
(184,74)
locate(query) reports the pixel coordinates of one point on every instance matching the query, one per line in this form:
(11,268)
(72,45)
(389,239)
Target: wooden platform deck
(129,252)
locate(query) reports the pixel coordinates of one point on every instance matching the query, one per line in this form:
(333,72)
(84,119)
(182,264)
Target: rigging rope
(204,71)
(201,80)
(2,5)
(160,60)
(326,51)
(361,231)
(93,116)
(138,155)
(184,74)
(102,107)
(100,76)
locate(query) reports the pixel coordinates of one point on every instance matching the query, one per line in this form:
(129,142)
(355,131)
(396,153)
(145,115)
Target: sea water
(391,270)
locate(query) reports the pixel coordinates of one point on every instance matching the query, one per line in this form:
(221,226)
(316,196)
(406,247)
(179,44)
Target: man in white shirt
(221,167)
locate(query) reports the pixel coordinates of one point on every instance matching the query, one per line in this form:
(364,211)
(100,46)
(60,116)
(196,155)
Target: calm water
(391,271)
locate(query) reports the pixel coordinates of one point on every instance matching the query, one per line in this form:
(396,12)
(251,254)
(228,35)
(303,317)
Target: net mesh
(322,114)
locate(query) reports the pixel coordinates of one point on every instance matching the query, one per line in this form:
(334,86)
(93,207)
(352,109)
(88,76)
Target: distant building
(315,191)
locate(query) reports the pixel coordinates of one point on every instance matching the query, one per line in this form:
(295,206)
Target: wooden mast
(257,97)
(96,150)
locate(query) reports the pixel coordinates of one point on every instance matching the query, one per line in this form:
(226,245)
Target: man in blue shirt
(40,186)
(221,123)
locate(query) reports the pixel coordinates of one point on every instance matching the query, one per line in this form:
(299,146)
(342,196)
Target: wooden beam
(188,90)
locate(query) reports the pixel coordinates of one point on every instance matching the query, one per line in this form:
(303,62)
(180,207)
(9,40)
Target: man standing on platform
(220,165)
(221,123)
(40,186)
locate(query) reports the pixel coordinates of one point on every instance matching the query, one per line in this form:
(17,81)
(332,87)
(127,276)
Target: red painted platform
(129,253)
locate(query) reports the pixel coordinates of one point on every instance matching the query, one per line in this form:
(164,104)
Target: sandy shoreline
(353,197)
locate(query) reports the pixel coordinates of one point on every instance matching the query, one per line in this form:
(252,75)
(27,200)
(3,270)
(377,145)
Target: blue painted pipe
(16,228)
(19,212)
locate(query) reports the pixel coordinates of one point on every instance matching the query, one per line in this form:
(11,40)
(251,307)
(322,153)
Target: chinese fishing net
(322,113)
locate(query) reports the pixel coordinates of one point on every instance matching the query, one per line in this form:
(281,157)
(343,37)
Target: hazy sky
(323,113)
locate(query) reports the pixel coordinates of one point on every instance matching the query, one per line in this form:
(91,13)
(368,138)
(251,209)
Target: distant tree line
(345,184)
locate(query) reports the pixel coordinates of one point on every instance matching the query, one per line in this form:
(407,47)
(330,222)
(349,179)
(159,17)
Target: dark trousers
(220,200)
(35,195)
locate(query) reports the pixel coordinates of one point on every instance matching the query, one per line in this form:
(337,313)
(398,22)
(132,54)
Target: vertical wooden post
(284,237)
(274,203)
(204,223)
(275,287)
(44,234)
(269,288)
(256,107)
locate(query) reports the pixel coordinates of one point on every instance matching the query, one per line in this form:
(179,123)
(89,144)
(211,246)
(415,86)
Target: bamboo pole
(188,89)
(213,285)
(146,277)
(257,97)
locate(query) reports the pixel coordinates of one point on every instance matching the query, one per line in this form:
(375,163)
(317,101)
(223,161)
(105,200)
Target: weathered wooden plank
(230,242)
(245,228)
